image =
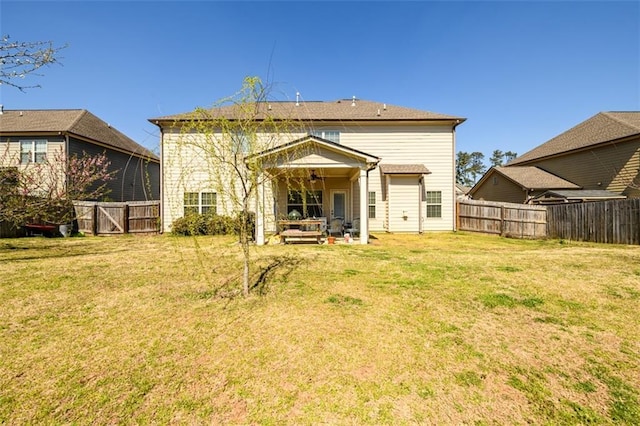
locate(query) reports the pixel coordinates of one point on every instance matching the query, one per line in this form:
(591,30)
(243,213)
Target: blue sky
(521,72)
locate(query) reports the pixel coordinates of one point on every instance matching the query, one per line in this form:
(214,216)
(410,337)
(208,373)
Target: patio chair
(355,228)
(336,226)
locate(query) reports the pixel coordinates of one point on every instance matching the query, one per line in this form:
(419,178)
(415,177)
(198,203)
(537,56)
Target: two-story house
(35,136)
(598,159)
(387,167)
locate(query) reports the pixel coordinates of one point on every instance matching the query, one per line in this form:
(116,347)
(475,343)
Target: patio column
(364,207)
(260,240)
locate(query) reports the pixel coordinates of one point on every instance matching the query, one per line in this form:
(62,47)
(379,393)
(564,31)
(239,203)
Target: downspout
(453,173)
(161,194)
(420,201)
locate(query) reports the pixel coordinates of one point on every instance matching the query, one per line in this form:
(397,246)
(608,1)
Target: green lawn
(436,329)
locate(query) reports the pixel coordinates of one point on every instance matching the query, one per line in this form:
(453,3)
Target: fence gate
(117,218)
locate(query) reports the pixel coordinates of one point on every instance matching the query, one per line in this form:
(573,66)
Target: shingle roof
(601,128)
(404,169)
(325,111)
(583,194)
(78,122)
(531,177)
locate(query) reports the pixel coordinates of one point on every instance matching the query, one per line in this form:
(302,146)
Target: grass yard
(433,329)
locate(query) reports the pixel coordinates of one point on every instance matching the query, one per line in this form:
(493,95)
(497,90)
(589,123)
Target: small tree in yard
(44,191)
(220,146)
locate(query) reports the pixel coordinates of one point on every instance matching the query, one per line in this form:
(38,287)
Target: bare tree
(21,58)
(220,149)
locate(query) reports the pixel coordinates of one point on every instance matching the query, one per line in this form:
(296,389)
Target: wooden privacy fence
(101,218)
(507,219)
(613,221)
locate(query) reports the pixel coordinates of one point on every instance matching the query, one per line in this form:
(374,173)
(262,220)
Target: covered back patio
(313,185)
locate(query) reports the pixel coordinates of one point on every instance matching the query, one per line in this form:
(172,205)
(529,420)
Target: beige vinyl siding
(185,169)
(431,145)
(404,200)
(10,154)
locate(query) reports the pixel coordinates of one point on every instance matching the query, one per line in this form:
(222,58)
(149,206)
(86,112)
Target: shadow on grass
(276,268)
(279,267)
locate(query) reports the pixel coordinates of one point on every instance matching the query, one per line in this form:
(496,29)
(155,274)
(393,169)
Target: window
(240,142)
(372,205)
(330,135)
(33,151)
(200,202)
(307,203)
(434,203)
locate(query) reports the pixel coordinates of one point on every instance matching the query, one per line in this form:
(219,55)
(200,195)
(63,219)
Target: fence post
(94,218)
(502,221)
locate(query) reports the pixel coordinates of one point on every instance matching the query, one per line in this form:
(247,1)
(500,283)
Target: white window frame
(432,203)
(330,135)
(34,155)
(201,207)
(371,206)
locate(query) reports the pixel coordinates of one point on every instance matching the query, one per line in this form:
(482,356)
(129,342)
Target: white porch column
(364,207)
(260,240)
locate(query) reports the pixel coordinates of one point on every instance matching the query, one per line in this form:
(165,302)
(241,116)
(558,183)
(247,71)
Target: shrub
(210,224)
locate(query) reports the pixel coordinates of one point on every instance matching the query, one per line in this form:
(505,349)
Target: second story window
(330,135)
(33,151)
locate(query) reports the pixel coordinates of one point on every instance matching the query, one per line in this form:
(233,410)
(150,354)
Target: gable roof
(529,177)
(601,128)
(343,109)
(311,139)
(77,122)
(404,169)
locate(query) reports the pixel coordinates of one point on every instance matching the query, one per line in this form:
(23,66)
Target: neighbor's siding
(613,167)
(503,190)
(137,179)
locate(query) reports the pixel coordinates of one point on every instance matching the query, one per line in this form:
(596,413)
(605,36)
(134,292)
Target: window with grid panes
(33,151)
(434,203)
(372,205)
(307,203)
(199,202)
(330,135)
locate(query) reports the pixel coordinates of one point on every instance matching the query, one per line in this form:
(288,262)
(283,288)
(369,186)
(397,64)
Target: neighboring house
(391,167)
(596,160)
(31,136)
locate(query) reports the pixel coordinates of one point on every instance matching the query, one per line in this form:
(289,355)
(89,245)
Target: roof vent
(20,113)
(269,107)
(297,98)
(1,109)
(353,101)
(378,112)
(384,107)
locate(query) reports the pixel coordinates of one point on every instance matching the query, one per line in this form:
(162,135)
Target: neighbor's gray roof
(403,169)
(324,111)
(78,122)
(531,177)
(602,127)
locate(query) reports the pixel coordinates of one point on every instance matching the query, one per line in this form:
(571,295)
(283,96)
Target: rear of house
(387,167)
